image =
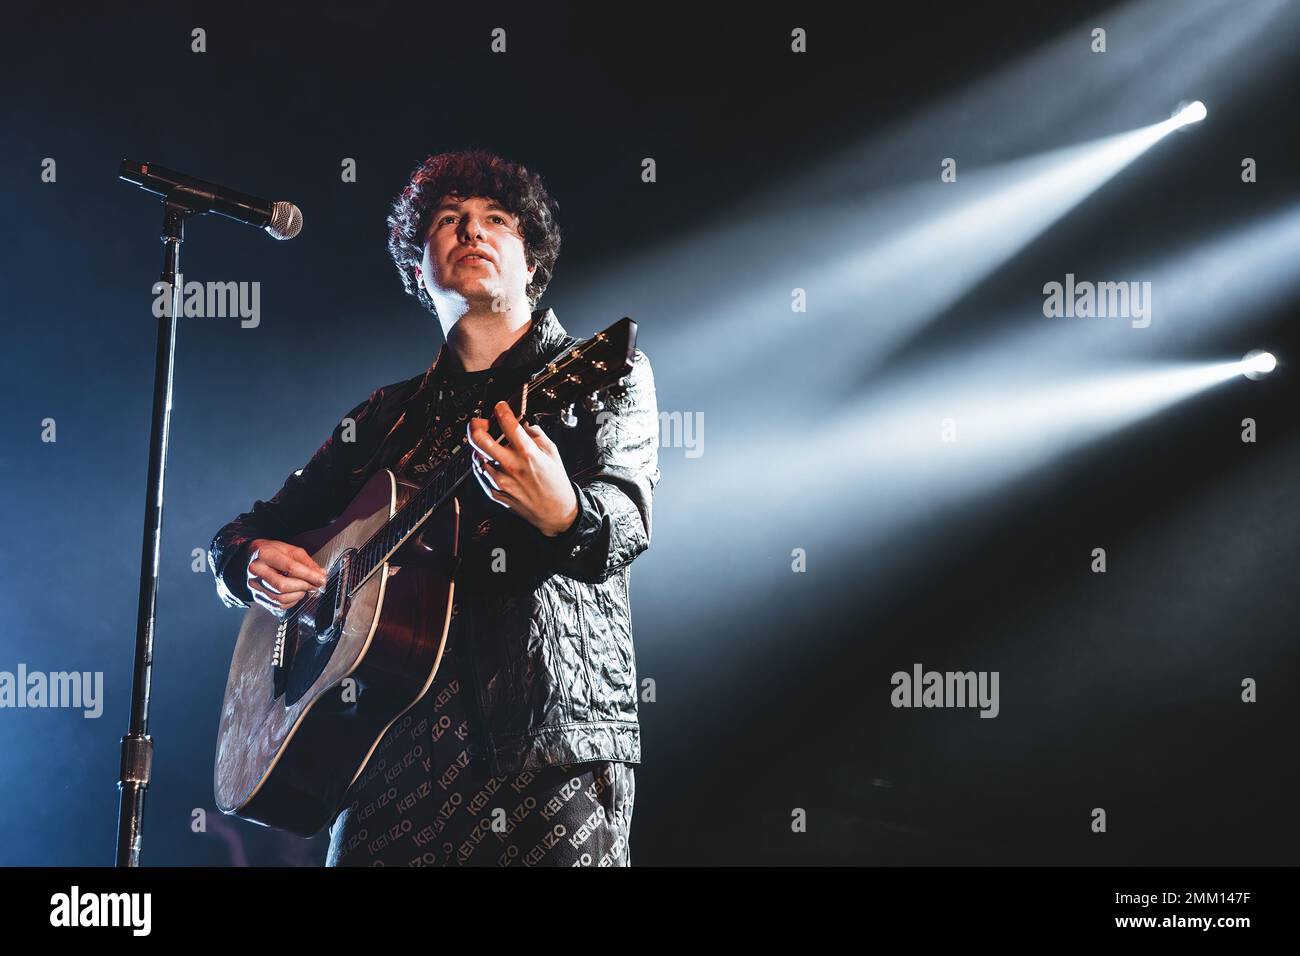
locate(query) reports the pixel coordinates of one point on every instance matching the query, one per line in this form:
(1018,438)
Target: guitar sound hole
(311,656)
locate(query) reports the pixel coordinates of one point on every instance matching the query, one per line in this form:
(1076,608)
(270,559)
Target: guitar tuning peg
(567,418)
(593,403)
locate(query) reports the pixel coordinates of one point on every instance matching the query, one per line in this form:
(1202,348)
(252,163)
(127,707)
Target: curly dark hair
(474,173)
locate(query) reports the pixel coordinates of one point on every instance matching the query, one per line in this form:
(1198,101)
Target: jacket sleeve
(310,498)
(614,481)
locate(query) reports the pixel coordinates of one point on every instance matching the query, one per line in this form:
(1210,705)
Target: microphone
(281,220)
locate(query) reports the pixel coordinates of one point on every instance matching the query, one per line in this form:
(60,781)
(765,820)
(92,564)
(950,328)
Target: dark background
(1118,690)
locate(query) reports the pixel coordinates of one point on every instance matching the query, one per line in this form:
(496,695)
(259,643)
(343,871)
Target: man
(522,750)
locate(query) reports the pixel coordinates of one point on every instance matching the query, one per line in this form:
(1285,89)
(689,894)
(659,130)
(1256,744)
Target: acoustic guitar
(313,691)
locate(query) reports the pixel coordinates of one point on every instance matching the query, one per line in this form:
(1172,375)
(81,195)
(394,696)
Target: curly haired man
(522,750)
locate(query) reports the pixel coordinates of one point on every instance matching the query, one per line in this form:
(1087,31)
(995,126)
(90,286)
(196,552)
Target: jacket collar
(543,339)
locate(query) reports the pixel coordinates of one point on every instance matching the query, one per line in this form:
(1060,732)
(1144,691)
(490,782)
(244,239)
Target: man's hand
(525,473)
(281,574)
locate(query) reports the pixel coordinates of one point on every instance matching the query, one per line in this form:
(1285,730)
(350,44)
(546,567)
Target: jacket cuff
(568,545)
(232,575)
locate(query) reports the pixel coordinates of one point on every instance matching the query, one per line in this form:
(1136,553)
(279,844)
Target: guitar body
(290,745)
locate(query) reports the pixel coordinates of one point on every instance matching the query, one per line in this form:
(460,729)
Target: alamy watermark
(682,430)
(129,910)
(922,688)
(676,430)
(211,300)
(81,689)
(1116,300)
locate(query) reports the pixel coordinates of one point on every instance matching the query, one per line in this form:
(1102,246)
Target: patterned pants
(424,801)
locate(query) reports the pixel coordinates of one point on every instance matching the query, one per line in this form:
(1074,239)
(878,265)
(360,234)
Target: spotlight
(1257,363)
(1188,113)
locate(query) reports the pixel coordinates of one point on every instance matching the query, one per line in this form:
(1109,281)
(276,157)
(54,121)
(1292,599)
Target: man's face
(474,249)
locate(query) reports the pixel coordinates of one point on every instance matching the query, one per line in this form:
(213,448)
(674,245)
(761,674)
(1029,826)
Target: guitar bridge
(279,680)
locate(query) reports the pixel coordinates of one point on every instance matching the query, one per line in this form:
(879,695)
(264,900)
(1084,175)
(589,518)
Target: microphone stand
(137,746)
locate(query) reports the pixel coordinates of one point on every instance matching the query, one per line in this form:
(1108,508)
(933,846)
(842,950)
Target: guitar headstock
(584,373)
